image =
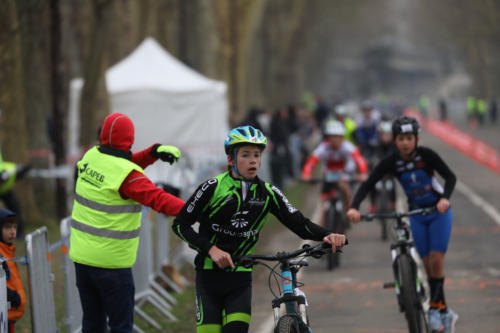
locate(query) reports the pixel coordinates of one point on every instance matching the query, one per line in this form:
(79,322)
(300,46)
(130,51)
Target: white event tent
(171,104)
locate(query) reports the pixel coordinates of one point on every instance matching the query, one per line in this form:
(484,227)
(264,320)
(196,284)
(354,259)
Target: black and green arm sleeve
(293,219)
(192,213)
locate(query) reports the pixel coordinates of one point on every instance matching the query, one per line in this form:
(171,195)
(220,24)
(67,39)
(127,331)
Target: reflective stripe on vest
(116,234)
(112,209)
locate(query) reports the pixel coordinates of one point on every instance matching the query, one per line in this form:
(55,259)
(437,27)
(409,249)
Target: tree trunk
(93,106)
(59,98)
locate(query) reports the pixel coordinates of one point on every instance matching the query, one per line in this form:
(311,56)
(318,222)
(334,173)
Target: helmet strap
(235,163)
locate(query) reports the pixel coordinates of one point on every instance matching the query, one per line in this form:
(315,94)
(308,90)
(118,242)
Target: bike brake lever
(245,262)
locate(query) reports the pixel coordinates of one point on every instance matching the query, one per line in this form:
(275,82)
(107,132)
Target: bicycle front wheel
(287,324)
(333,223)
(414,313)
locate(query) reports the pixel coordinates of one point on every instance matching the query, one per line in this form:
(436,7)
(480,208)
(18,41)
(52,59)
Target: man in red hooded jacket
(110,188)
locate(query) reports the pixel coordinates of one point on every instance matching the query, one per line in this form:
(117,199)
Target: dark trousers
(107,298)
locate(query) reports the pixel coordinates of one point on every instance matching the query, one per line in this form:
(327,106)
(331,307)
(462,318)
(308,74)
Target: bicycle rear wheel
(287,324)
(383,206)
(412,307)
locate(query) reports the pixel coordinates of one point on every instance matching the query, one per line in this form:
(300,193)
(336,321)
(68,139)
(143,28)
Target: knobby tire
(414,313)
(383,207)
(287,324)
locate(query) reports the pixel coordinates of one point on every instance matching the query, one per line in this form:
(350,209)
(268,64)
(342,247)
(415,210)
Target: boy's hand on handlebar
(353,215)
(220,257)
(335,240)
(443,205)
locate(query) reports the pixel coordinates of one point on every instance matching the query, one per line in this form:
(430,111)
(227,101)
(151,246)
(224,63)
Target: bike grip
(325,245)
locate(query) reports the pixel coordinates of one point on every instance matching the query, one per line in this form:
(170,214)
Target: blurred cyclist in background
(341,115)
(367,137)
(338,156)
(366,129)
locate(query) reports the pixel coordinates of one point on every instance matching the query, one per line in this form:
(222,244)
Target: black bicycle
(409,289)
(384,200)
(333,211)
(294,319)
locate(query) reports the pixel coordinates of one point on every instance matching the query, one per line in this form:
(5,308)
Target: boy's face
(9,232)
(248,161)
(406,142)
(335,141)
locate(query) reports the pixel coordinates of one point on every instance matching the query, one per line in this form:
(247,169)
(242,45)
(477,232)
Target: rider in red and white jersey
(340,157)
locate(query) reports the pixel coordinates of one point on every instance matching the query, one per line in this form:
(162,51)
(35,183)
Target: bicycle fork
(290,300)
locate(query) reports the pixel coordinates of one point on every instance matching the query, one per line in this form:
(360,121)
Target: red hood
(117,131)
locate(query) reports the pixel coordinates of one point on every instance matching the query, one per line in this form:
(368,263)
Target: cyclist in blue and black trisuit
(414,167)
(231,210)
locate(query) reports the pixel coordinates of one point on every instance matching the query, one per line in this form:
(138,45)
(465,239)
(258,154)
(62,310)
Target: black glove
(13,297)
(168,154)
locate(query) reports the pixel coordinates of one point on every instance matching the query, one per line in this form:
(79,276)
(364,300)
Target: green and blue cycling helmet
(244,135)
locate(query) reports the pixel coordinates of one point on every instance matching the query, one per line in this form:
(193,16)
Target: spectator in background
(252,118)
(443,110)
(481,110)
(493,111)
(423,105)
(471,112)
(321,111)
(9,173)
(15,290)
(281,160)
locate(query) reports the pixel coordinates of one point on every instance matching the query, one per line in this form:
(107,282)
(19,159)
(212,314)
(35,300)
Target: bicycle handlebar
(314,251)
(398,215)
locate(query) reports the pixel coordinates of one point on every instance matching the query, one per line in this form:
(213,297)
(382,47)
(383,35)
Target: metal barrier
(3,303)
(43,319)
(146,288)
(73,316)
(145,270)
(163,250)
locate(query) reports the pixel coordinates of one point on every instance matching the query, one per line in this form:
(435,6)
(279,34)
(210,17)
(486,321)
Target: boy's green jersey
(231,213)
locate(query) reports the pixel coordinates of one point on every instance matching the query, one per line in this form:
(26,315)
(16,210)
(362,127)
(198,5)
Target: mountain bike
(294,319)
(409,289)
(333,212)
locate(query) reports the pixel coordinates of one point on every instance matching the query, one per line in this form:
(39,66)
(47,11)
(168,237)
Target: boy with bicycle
(339,156)
(414,166)
(231,210)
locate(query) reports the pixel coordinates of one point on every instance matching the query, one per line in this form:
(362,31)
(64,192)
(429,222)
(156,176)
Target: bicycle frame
(289,298)
(295,303)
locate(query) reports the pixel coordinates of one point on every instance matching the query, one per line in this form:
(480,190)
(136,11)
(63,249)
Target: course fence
(152,256)
(43,318)
(3,302)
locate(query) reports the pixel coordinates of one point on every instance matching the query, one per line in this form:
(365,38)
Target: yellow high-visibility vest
(104,226)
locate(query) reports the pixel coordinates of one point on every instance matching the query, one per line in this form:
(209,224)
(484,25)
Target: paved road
(351,299)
